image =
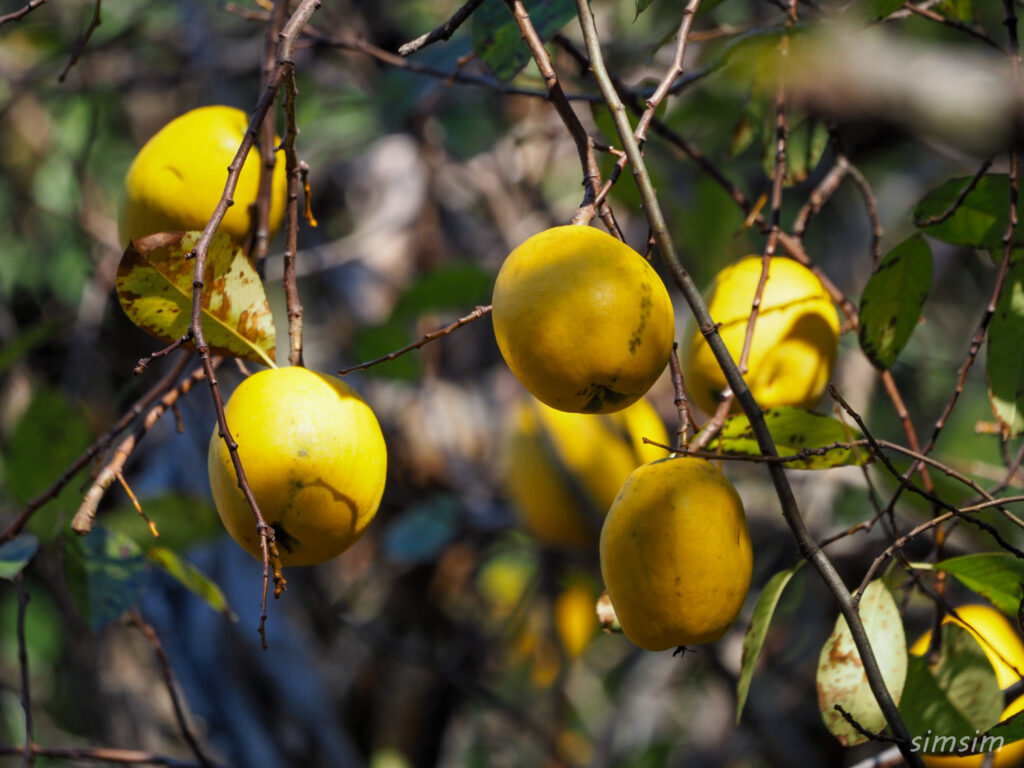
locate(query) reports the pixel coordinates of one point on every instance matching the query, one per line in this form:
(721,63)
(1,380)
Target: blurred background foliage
(446,636)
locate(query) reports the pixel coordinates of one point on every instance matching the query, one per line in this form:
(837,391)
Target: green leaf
(793,430)
(706,7)
(841,678)
(753,60)
(876,10)
(957,697)
(422,531)
(106,572)
(805,145)
(641,6)
(758,629)
(1009,730)
(16,554)
(50,435)
(154,286)
(498,41)
(1004,364)
(458,286)
(191,578)
(996,576)
(979,222)
(891,304)
(960,10)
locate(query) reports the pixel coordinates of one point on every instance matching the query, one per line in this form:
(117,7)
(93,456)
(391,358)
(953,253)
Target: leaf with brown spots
(841,678)
(796,432)
(154,286)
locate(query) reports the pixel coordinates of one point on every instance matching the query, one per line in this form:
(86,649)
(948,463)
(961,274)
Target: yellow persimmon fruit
(1009,756)
(576,618)
(795,341)
(994,633)
(582,319)
(562,471)
(315,459)
(177,178)
(675,554)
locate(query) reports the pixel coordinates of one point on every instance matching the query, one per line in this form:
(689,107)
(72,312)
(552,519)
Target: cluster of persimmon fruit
(587,326)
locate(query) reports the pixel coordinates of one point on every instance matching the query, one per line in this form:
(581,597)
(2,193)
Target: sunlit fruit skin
(562,471)
(583,321)
(995,634)
(1010,756)
(314,456)
(676,555)
(795,341)
(177,178)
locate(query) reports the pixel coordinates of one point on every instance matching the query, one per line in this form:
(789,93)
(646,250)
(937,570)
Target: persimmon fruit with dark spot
(314,457)
(583,321)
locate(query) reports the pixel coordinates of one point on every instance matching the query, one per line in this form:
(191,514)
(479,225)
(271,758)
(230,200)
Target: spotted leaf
(154,286)
(841,677)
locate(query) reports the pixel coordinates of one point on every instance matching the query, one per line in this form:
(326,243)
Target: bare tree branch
(442,32)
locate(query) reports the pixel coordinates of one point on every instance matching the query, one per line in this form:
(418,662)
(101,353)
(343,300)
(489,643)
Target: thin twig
(584,144)
(869,735)
(871,207)
(1011,471)
(162,352)
(778,177)
(86,514)
(714,425)
(94,22)
(955,205)
(820,195)
(291,224)
(897,545)
(955,24)
(307,194)
(137,408)
(679,387)
(908,427)
(268,152)
(651,104)
(18,14)
(135,502)
(165,666)
(787,501)
(992,503)
(903,479)
(476,314)
(26,694)
(442,32)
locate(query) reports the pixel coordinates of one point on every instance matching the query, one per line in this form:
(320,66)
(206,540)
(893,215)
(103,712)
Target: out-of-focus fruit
(563,470)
